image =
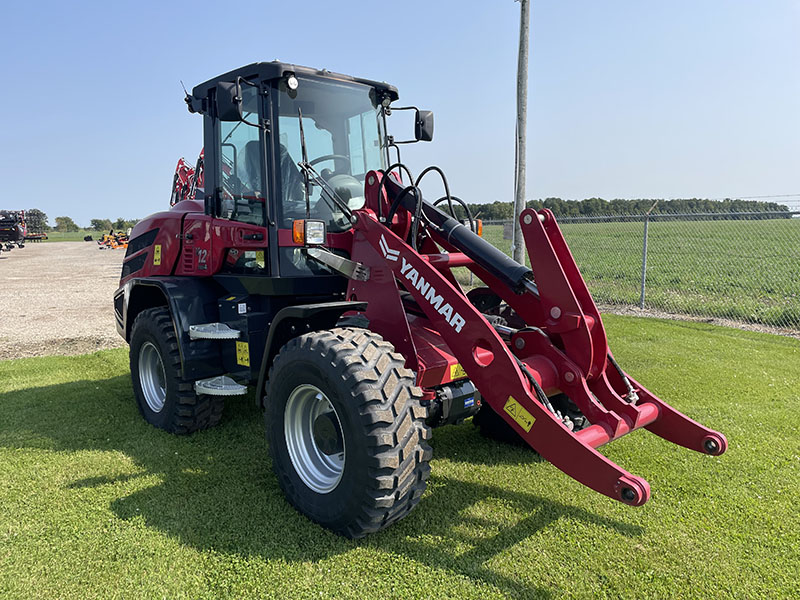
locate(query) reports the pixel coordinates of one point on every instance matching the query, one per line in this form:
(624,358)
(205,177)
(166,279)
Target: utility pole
(517,241)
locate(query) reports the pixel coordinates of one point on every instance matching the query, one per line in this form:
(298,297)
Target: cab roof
(271,70)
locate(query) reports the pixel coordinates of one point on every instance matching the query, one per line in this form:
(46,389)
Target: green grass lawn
(94,503)
(72,236)
(741,270)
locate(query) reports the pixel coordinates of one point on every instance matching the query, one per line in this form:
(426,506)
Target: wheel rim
(152,376)
(310,421)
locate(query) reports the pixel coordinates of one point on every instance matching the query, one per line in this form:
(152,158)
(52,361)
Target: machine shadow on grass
(217,491)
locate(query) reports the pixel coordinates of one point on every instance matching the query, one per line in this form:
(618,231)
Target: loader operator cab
(261,121)
(343,133)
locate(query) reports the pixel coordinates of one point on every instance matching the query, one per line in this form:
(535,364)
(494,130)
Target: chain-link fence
(739,266)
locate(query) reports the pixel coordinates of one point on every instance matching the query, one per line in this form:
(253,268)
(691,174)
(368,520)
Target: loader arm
(563,347)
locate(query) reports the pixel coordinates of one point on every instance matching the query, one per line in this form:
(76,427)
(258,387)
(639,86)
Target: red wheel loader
(308,264)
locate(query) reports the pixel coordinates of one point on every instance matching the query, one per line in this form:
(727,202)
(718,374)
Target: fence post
(644,261)
(644,254)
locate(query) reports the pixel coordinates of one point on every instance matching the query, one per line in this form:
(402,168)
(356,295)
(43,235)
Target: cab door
(239,240)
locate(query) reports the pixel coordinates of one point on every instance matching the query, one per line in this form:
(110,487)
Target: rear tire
(346,430)
(164,398)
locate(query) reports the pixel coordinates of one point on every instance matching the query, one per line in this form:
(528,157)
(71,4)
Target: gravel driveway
(56,298)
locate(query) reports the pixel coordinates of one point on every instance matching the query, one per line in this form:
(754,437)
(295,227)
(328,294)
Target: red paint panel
(168,239)
(434,357)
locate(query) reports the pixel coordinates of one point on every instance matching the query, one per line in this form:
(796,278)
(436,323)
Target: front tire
(346,430)
(164,398)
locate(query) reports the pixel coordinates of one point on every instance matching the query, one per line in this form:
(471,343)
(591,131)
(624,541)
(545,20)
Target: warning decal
(243,354)
(157,255)
(457,371)
(515,410)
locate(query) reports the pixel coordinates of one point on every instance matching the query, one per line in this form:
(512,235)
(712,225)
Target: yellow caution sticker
(243,354)
(515,410)
(157,255)
(457,371)
(260,259)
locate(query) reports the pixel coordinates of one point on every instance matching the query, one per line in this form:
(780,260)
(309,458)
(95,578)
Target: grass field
(741,270)
(97,504)
(72,236)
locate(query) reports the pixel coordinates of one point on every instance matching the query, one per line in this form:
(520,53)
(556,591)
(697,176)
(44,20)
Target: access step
(222,385)
(212,331)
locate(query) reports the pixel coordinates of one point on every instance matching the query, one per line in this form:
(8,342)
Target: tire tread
(193,411)
(391,415)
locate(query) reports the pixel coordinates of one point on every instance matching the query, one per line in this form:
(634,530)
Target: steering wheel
(333,157)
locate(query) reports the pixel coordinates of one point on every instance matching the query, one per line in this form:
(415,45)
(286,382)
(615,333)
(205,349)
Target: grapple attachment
(557,344)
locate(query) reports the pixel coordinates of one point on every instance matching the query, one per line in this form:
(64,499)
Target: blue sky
(627,99)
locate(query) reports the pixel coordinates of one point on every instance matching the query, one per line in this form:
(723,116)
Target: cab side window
(243,191)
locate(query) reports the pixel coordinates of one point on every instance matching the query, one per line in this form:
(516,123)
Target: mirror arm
(418,123)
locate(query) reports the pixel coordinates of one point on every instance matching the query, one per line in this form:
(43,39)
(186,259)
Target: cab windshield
(343,133)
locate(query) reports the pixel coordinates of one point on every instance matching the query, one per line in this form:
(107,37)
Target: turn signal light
(308,233)
(299,231)
(479,227)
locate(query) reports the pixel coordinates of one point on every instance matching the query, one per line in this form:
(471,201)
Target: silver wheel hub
(152,376)
(314,438)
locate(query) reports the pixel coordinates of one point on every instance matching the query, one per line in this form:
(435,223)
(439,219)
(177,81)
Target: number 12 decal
(202,255)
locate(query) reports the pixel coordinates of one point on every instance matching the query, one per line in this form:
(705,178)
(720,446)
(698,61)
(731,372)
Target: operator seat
(251,171)
(291,178)
(250,208)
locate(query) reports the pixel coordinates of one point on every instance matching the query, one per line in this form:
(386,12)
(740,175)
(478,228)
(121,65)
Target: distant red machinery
(187,180)
(13,229)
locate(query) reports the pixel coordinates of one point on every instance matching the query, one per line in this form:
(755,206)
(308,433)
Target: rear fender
(190,301)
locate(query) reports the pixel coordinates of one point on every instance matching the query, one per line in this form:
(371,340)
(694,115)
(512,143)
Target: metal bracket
(213,331)
(348,268)
(222,385)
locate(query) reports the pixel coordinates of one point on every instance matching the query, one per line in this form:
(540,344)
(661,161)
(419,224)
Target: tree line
(118,225)
(597,207)
(38,222)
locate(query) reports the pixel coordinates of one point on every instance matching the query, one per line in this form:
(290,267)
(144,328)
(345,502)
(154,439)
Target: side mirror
(229,101)
(423,126)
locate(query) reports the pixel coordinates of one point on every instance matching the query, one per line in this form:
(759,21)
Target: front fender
(297,320)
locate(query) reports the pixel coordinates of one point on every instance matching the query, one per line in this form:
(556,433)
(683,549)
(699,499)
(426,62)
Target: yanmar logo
(455,320)
(388,253)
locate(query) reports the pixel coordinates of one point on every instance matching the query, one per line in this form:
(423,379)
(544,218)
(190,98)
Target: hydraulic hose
(482,252)
(518,277)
